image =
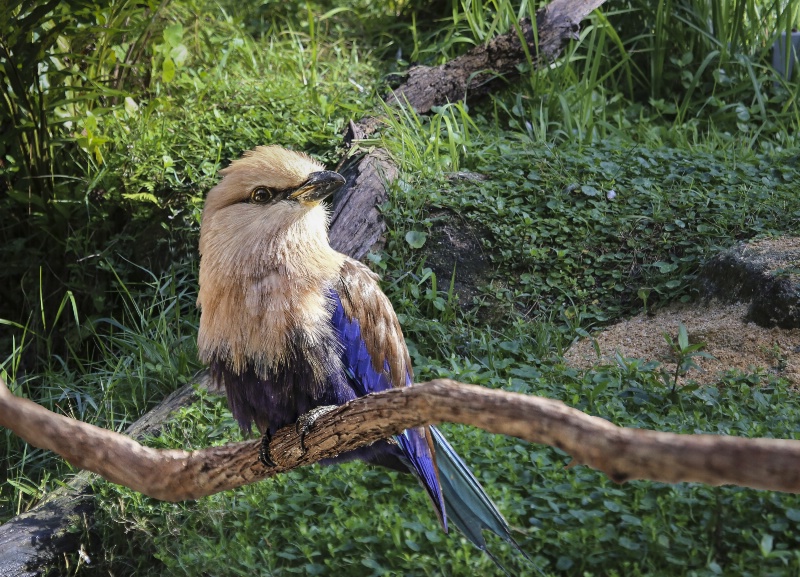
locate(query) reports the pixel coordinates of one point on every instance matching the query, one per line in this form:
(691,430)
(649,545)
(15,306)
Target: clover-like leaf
(416,238)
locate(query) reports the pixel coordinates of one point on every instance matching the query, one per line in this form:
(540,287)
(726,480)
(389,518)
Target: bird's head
(267,200)
(270,184)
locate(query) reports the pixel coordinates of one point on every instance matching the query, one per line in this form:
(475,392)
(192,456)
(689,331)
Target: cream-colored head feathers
(262,266)
(270,166)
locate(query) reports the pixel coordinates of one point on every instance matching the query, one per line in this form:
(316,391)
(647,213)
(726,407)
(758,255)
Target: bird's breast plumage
(296,347)
(258,293)
(308,373)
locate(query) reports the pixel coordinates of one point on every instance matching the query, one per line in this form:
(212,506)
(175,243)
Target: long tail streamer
(466,503)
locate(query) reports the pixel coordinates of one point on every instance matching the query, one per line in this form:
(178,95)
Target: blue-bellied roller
(289,325)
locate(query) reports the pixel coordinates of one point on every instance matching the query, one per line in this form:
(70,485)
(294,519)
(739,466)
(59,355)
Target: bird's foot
(263,452)
(307,420)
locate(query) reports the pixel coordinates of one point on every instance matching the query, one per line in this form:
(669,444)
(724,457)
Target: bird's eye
(261,195)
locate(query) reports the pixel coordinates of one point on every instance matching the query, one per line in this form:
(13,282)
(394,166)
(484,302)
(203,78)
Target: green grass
(687,127)
(147,351)
(585,228)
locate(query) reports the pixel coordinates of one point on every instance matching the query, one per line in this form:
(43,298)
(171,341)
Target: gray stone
(764,273)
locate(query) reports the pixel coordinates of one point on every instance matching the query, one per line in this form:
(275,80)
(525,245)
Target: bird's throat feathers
(264,281)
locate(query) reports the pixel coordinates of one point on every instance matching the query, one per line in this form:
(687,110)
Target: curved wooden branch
(621,453)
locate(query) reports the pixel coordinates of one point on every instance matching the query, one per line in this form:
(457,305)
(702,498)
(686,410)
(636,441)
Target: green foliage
(142,123)
(695,64)
(427,144)
(708,62)
(684,355)
(582,229)
(63,66)
(732,36)
(147,351)
(60,62)
(661,136)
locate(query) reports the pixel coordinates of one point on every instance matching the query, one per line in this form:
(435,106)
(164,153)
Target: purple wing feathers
(359,367)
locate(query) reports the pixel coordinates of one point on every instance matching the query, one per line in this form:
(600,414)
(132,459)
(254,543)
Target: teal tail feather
(466,503)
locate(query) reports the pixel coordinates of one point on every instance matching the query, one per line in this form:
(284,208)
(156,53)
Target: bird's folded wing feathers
(376,358)
(363,301)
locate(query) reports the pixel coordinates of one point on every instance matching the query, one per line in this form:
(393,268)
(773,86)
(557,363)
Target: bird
(288,325)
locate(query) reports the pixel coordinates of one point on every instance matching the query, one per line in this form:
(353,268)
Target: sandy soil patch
(734,343)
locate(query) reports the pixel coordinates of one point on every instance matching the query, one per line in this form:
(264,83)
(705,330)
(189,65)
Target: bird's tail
(466,503)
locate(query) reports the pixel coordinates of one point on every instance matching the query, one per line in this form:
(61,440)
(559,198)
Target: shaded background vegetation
(662,135)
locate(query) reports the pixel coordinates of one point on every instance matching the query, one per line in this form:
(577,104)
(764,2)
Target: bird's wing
(376,358)
(369,313)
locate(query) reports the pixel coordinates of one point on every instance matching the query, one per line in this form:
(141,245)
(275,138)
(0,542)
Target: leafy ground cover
(608,179)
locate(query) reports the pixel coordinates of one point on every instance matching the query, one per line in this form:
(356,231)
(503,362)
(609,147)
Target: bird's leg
(263,452)
(307,420)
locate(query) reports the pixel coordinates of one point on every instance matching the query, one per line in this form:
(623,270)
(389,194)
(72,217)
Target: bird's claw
(307,420)
(263,453)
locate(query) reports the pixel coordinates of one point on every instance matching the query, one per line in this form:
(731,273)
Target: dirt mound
(734,342)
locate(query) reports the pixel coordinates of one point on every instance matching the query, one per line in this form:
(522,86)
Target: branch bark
(621,453)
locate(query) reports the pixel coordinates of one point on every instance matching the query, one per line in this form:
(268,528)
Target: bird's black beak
(320,185)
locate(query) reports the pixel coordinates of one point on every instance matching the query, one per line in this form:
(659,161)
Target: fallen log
(475,73)
(480,70)
(356,222)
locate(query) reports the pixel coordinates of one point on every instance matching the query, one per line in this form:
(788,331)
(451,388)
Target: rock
(764,273)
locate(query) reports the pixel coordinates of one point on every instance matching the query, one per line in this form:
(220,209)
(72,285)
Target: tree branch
(621,453)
